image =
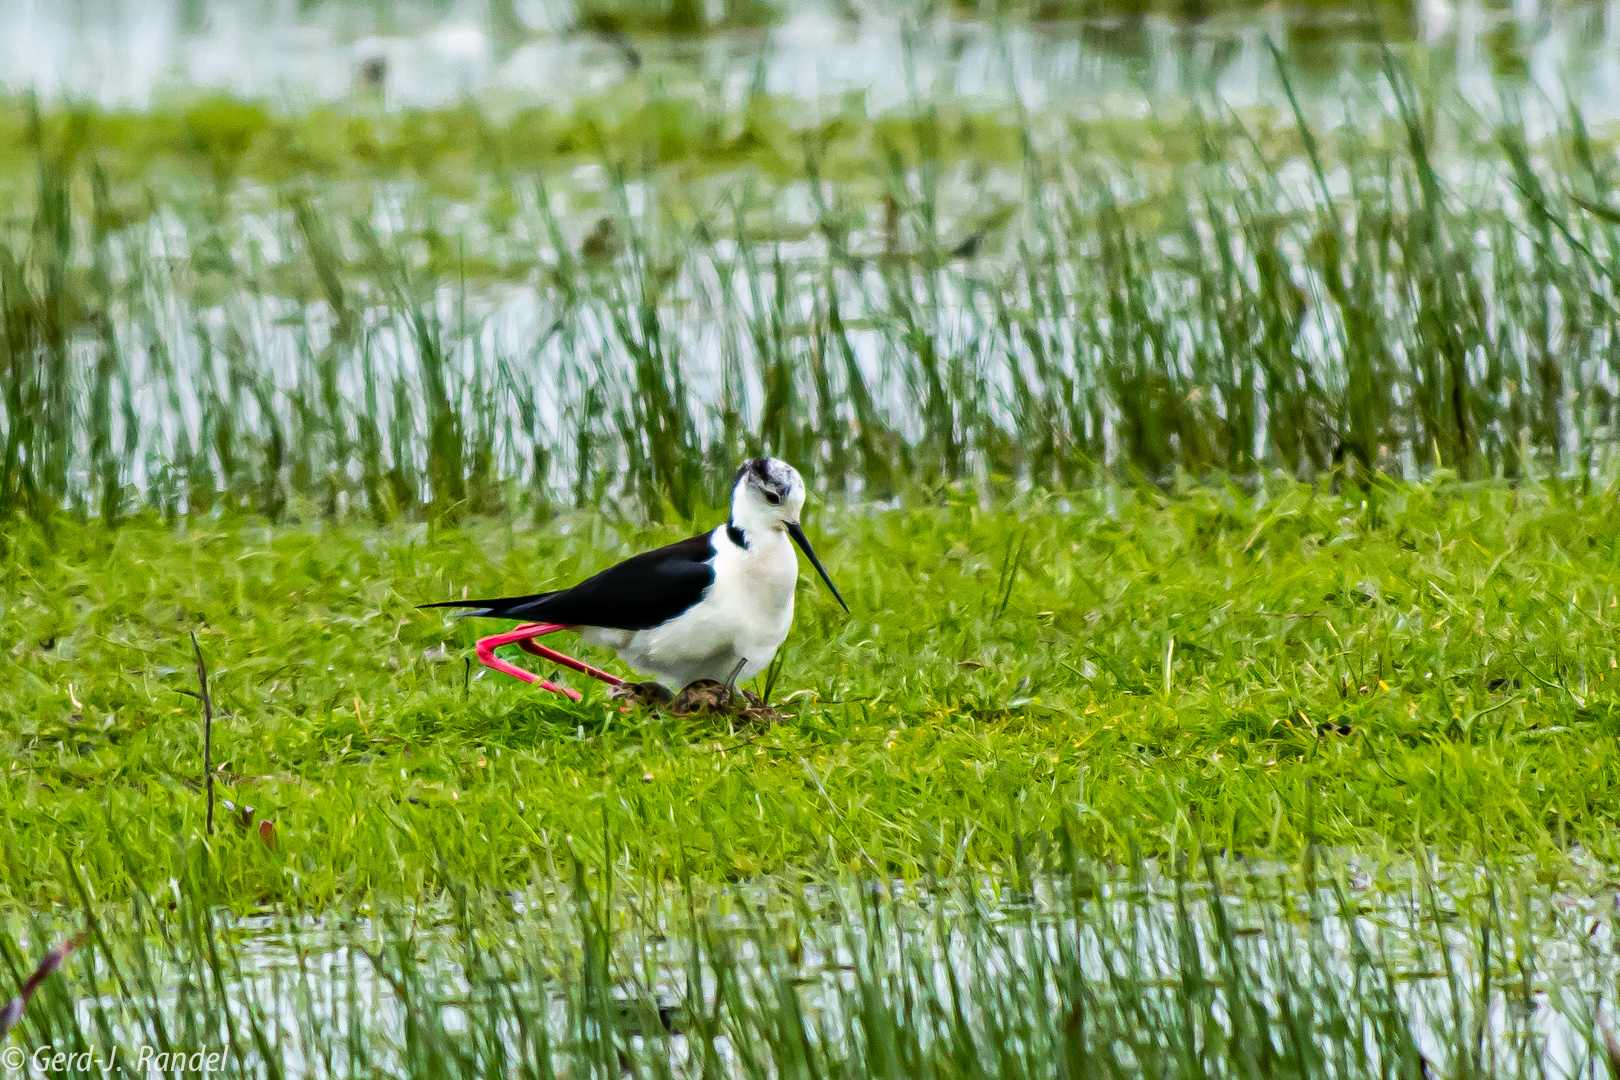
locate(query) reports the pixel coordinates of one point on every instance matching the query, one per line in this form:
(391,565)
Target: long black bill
(804,545)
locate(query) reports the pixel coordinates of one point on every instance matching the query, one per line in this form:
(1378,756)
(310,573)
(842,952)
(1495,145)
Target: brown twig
(208,729)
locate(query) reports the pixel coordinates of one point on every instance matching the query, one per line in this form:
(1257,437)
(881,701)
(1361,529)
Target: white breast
(743,617)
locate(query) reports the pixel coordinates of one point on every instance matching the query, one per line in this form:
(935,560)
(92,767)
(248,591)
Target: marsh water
(126,54)
(440,326)
(1378,970)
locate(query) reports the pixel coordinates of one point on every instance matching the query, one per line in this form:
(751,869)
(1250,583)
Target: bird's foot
(755,711)
(649,695)
(705,697)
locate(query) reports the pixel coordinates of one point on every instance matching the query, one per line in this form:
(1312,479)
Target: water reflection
(1375,962)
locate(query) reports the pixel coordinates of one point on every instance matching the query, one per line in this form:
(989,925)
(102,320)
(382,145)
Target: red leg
(486,655)
(540,630)
(523,637)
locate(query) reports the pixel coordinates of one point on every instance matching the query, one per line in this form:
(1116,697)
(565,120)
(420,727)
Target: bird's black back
(639,593)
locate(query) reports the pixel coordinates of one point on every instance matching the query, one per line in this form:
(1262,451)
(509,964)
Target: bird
(711,608)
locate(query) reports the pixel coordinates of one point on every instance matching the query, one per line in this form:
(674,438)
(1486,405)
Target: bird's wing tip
(470,604)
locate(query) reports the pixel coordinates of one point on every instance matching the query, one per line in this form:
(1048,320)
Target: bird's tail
(504,607)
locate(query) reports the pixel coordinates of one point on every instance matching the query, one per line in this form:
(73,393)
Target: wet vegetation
(1207,970)
(681,18)
(911,300)
(1225,498)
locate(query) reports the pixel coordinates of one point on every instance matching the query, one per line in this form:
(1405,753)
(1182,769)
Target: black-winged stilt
(714,607)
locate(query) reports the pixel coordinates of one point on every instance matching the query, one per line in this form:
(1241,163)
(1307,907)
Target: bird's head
(768,496)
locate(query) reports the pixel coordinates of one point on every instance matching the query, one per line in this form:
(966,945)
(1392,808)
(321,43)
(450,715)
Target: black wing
(640,593)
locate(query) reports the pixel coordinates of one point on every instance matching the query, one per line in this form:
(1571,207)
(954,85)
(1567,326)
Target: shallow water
(1494,965)
(976,307)
(129,52)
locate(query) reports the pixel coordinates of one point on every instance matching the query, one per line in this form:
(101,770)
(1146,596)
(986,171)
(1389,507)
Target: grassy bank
(195,144)
(1429,665)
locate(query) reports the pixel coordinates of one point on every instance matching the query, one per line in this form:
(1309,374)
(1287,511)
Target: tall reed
(1072,969)
(1352,305)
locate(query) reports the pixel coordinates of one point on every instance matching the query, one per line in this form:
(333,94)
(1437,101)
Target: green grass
(678,18)
(455,150)
(1421,667)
